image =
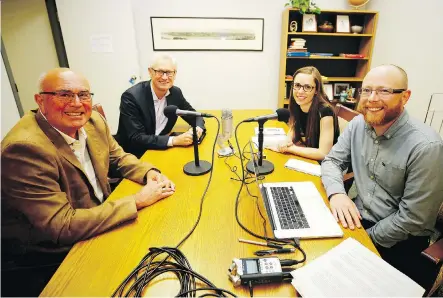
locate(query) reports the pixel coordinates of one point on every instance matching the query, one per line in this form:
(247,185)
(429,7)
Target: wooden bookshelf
(329,34)
(337,69)
(338,79)
(328,58)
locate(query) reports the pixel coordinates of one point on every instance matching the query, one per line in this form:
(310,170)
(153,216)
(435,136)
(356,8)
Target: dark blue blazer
(136,127)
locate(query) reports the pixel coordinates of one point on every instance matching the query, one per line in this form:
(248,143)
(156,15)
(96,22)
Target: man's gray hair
(159,57)
(41,79)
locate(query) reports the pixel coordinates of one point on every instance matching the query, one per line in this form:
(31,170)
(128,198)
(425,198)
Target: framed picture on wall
(339,87)
(207,34)
(309,23)
(343,24)
(329,90)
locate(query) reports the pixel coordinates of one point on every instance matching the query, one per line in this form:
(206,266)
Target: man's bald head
(383,107)
(51,80)
(59,100)
(394,76)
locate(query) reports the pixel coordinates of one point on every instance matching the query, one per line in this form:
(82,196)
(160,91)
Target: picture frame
(309,23)
(207,34)
(329,90)
(343,25)
(339,87)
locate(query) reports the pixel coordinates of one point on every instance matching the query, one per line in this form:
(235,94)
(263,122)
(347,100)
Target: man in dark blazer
(142,124)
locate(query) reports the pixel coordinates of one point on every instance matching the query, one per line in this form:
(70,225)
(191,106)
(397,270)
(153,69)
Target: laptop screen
(261,190)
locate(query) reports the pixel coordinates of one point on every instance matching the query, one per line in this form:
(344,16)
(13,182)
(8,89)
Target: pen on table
(274,251)
(268,244)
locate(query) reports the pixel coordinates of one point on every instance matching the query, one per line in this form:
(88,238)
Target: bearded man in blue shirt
(398,168)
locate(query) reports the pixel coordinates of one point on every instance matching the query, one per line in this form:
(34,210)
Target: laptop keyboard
(289,211)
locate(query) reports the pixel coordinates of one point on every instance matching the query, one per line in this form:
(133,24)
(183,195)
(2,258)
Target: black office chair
(434,255)
(434,113)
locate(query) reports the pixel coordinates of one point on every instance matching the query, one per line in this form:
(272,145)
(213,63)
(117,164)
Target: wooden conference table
(97,266)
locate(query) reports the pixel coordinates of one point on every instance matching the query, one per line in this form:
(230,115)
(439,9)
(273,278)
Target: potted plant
(304,6)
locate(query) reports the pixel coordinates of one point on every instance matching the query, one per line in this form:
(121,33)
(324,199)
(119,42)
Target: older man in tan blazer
(54,172)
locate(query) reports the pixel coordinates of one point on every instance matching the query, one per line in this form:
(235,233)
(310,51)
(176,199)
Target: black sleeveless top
(324,112)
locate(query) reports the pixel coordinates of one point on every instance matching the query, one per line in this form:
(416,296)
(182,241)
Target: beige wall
(29,45)
(413,40)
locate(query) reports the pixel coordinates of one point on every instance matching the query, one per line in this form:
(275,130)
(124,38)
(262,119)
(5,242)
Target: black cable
(149,268)
(206,189)
(294,242)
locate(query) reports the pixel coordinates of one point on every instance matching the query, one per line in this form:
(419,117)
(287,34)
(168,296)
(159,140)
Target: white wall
(10,114)
(27,37)
(107,70)
(215,80)
(410,34)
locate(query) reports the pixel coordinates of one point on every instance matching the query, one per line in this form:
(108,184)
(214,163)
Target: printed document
(352,270)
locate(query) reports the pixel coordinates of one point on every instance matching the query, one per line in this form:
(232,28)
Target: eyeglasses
(68,97)
(307,88)
(383,92)
(160,73)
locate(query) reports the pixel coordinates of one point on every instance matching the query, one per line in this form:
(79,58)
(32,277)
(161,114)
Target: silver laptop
(296,209)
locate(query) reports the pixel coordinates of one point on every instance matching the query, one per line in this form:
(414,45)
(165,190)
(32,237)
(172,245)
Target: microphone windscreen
(226,114)
(170,111)
(283,115)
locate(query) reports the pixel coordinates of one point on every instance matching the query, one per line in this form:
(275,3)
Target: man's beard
(382,117)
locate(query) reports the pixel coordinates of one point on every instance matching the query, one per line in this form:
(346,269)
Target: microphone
(265,167)
(227,127)
(170,111)
(280,114)
(197,167)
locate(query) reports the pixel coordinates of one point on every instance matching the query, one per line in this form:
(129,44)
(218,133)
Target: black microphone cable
(294,242)
(149,268)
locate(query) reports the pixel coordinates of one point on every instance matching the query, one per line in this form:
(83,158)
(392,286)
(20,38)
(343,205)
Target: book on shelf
(298,54)
(297,50)
(322,54)
(352,55)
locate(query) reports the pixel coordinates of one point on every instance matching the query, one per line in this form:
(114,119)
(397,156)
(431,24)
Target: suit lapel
(147,105)
(170,100)
(97,153)
(59,142)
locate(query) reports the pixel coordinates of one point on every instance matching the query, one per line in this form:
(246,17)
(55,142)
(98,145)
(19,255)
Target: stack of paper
(272,137)
(302,166)
(352,270)
(271,131)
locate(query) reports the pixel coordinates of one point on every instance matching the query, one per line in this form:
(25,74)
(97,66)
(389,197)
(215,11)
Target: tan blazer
(47,201)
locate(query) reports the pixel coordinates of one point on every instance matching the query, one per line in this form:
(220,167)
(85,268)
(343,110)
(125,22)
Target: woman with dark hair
(313,122)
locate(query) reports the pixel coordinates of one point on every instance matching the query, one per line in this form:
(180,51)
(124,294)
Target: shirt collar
(154,96)
(68,139)
(399,123)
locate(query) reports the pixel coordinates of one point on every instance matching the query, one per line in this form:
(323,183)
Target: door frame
(59,43)
(11,80)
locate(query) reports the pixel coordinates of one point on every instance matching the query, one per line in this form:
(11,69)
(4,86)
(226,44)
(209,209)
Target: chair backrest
(345,112)
(434,113)
(98,107)
(344,115)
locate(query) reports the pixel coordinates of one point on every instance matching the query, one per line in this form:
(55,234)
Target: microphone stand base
(266,168)
(192,170)
(227,151)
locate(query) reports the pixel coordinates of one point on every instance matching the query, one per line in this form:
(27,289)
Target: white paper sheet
(101,43)
(271,141)
(352,270)
(271,131)
(303,166)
